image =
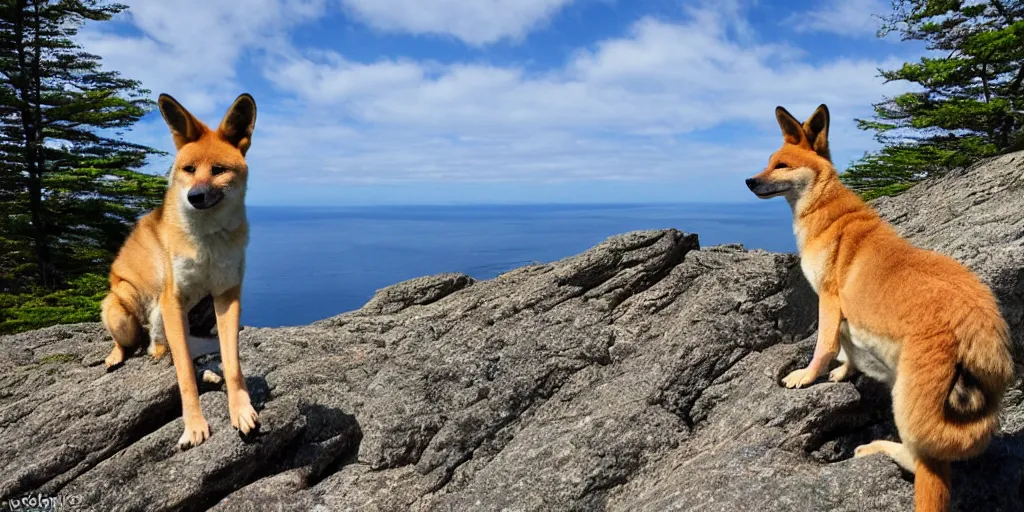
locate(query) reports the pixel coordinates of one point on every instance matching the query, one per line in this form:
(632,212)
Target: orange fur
(190,247)
(933,325)
(931,485)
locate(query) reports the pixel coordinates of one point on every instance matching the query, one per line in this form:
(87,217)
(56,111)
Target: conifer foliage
(69,189)
(967,102)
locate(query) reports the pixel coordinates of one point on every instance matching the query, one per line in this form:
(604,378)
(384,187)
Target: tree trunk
(50,274)
(31,127)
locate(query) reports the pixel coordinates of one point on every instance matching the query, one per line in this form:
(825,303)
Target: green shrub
(79,302)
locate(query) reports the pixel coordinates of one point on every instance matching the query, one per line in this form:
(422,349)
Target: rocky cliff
(639,375)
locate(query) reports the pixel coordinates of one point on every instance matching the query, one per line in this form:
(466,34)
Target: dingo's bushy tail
(931,486)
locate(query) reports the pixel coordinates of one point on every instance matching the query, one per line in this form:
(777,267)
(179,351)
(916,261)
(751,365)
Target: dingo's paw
(840,374)
(864,450)
(196,431)
(799,378)
(157,351)
(115,359)
(244,417)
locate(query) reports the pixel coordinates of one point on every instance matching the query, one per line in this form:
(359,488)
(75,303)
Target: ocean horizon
(306,263)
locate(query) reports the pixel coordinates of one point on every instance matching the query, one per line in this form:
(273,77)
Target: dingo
(913,318)
(192,246)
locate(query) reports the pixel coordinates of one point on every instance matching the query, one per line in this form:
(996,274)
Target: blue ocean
(309,263)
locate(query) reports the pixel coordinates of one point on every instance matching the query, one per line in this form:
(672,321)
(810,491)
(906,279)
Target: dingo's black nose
(202,197)
(752,182)
(197,197)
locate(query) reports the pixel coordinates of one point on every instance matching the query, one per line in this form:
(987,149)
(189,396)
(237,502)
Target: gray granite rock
(641,374)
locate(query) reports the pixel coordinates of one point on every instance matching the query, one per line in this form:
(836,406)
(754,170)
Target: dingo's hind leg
(896,451)
(123,326)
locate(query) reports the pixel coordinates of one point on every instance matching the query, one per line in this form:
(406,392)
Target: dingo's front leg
(229,306)
(196,428)
(827,347)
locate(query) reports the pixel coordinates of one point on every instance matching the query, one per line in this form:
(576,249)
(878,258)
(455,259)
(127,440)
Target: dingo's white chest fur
(218,265)
(812,263)
(813,269)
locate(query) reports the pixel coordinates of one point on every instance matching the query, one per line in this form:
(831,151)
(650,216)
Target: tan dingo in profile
(190,247)
(913,318)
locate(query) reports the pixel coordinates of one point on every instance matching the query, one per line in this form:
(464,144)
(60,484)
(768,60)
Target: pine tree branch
(998,4)
(1015,84)
(66,185)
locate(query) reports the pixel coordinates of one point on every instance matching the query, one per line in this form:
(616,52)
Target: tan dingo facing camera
(190,247)
(915,319)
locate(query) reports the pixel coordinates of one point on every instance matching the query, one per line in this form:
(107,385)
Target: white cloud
(662,79)
(687,102)
(194,46)
(842,17)
(476,22)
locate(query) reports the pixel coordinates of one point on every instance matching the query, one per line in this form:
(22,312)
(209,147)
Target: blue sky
(507,101)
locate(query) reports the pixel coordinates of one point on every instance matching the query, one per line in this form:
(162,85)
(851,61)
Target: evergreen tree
(969,103)
(68,191)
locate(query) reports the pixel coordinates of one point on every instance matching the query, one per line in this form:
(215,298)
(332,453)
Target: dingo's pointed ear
(792,131)
(239,122)
(184,126)
(816,129)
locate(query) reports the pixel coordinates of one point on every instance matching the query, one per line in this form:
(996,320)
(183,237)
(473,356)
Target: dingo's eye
(781,165)
(218,170)
(189,169)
